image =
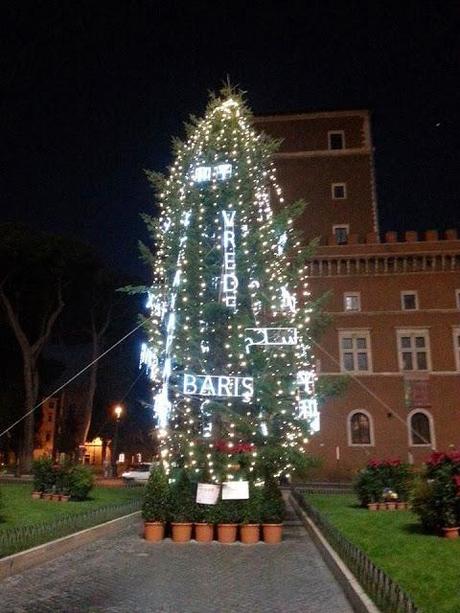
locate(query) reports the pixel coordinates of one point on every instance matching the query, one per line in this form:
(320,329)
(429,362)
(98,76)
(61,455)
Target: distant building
(395,301)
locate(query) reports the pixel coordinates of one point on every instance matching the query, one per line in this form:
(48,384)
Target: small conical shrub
(155,506)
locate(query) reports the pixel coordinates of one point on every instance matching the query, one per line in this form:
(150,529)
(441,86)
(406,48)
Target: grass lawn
(427,567)
(18,509)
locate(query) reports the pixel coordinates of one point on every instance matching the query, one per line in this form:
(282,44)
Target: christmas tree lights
(228,330)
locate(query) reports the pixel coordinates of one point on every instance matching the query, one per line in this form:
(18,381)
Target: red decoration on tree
(226,447)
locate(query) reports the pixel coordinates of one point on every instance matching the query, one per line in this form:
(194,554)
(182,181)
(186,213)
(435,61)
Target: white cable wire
(70,380)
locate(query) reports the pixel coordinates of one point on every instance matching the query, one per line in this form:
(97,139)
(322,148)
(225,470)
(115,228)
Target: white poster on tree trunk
(207,493)
(235,490)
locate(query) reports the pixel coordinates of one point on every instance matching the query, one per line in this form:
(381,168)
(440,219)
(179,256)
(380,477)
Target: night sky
(93,91)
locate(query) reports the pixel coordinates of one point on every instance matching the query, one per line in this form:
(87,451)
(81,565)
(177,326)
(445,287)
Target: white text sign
(210,385)
(270,336)
(235,490)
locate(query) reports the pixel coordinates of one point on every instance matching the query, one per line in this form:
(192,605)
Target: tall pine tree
(229,348)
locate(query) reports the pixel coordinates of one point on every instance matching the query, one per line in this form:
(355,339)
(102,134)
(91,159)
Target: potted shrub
(272,511)
(390,499)
(450,523)
(155,506)
(203,518)
(251,516)
(436,496)
(227,516)
(181,511)
(63,482)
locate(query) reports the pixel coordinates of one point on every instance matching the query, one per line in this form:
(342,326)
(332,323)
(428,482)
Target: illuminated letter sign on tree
(229,278)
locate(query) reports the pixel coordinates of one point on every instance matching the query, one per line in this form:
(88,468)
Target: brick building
(395,301)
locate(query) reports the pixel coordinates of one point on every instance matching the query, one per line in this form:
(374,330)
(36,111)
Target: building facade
(394,301)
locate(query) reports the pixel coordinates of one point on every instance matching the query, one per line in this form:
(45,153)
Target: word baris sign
(211,385)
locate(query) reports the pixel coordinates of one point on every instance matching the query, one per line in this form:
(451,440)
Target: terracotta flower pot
(36,495)
(226,533)
(249,533)
(273,533)
(65,498)
(154,531)
(181,531)
(401,506)
(204,533)
(48,496)
(391,506)
(373,506)
(56,497)
(451,532)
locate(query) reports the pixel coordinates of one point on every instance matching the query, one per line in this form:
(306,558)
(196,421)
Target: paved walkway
(125,574)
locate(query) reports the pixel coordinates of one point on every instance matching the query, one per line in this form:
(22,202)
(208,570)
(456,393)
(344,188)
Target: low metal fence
(328,490)
(383,590)
(20,538)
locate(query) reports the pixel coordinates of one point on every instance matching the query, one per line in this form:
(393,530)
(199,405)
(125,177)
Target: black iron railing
(20,538)
(383,590)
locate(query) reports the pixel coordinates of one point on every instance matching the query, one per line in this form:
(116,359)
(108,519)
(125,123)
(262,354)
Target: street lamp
(117,411)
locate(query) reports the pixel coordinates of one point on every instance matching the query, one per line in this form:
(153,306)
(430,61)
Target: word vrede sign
(229,278)
(211,385)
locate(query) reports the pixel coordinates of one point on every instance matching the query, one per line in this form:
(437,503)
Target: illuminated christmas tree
(229,349)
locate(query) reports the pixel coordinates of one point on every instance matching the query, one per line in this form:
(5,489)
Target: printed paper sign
(235,490)
(207,493)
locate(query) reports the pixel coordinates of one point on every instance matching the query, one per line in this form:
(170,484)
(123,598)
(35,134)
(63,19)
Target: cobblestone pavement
(125,574)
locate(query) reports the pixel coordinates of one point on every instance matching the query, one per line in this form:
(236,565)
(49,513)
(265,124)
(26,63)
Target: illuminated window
(409,301)
(360,430)
(336,139)
(355,351)
(352,301)
(413,350)
(339,191)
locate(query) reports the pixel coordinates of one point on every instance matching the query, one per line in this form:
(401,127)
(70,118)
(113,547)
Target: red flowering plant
(436,498)
(379,478)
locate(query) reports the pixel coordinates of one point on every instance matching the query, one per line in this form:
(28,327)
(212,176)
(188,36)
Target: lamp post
(117,411)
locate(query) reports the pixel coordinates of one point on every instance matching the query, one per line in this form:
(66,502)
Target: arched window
(360,428)
(420,428)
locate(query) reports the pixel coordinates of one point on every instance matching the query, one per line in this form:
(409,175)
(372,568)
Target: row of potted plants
(384,482)
(50,496)
(434,492)
(174,507)
(60,482)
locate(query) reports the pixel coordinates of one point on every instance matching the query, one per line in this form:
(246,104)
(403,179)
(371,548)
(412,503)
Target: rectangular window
(413,350)
(336,139)
(339,191)
(457,347)
(355,351)
(409,301)
(352,301)
(341,234)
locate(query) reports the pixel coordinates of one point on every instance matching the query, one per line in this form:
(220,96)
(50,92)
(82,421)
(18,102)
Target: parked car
(138,473)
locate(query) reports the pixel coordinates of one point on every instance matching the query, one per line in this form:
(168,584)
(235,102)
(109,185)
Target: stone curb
(18,562)
(357,597)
